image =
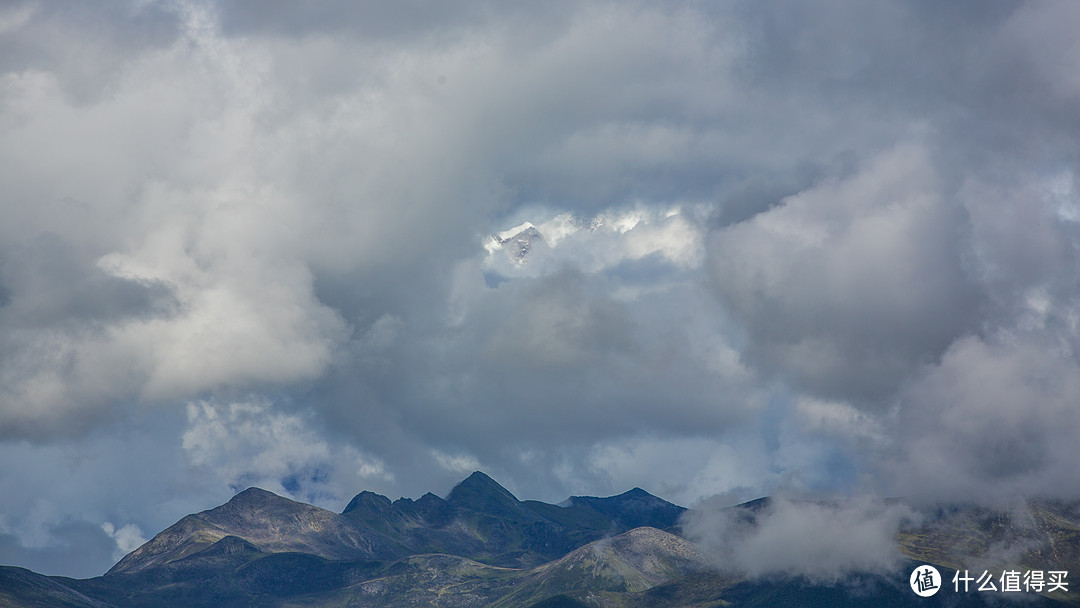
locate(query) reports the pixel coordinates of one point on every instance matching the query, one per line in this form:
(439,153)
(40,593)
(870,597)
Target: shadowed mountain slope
(482,520)
(633,509)
(25,589)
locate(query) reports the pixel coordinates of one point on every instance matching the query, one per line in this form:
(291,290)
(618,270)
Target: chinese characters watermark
(1037,581)
(926,581)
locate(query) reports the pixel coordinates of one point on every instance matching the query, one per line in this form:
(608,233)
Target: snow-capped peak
(517,242)
(510,233)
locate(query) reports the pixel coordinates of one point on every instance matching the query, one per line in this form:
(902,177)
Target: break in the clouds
(709,250)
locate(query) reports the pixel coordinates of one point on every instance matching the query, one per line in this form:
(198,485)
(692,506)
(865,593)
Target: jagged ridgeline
(480,546)
(479,520)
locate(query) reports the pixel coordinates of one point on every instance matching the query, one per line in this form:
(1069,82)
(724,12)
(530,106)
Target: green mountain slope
(21,588)
(634,561)
(1040,535)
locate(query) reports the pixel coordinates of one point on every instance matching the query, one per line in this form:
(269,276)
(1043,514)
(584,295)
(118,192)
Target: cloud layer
(818,247)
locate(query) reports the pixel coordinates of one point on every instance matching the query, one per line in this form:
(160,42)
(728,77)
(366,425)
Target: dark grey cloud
(56,299)
(403,22)
(59,285)
(848,286)
(993,421)
(774,241)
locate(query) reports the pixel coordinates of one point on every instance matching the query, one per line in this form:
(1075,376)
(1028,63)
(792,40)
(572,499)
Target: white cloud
(684,470)
(456,463)
(600,243)
(248,443)
(128,538)
(239,330)
(823,541)
(838,418)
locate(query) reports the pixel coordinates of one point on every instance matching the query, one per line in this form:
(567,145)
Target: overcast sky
(806,248)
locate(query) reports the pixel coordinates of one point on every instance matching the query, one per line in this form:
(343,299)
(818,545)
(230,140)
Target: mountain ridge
(482,546)
(270,522)
(479,519)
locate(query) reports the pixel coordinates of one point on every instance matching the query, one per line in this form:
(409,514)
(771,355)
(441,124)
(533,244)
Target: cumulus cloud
(169,298)
(847,287)
(247,443)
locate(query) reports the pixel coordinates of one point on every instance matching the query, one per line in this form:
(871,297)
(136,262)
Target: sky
(803,248)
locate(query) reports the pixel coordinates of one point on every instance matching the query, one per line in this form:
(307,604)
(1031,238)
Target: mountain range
(481,546)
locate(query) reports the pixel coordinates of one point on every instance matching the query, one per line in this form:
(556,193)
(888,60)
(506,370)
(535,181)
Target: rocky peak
(369,501)
(633,508)
(482,493)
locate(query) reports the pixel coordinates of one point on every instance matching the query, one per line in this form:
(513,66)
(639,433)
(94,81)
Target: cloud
(682,470)
(461,464)
(993,420)
(824,542)
(257,160)
(148,287)
(38,36)
(783,243)
(553,340)
(604,242)
(847,287)
(247,443)
(128,538)
(1042,44)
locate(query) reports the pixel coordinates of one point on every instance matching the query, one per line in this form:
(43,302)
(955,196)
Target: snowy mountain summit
(517,242)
